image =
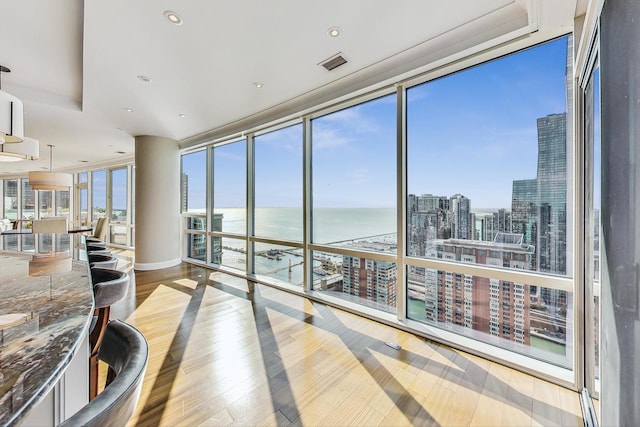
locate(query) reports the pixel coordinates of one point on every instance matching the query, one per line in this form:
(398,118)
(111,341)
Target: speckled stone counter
(43,318)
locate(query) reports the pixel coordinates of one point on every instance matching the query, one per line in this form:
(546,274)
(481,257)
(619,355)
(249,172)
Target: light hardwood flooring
(224,351)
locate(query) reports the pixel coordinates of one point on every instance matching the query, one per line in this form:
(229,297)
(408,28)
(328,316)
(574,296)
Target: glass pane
(229,252)
(193,182)
(487,158)
(62,203)
(133,197)
(28,242)
(196,243)
(278,184)
(526,319)
(230,188)
(83,177)
(282,263)
(28,200)
(45,202)
(118,234)
(98,194)
(10,242)
(354,176)
(360,280)
(592,131)
(10,192)
(84,205)
(119,196)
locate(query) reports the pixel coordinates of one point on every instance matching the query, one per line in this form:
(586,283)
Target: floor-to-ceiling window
(483,191)
(193,203)
(119,191)
(229,216)
(98,194)
(63,203)
(592,226)
(279,204)
(10,198)
(45,203)
(354,203)
(487,183)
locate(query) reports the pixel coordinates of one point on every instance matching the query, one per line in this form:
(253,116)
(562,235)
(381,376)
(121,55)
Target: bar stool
(97,250)
(126,351)
(109,286)
(102,261)
(97,243)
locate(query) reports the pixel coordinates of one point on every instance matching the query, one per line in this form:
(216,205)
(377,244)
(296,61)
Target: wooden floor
(226,352)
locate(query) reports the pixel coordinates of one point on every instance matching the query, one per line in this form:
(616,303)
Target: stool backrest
(100,232)
(109,286)
(126,351)
(102,261)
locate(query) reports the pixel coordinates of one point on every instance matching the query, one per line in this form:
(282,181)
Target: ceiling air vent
(334,62)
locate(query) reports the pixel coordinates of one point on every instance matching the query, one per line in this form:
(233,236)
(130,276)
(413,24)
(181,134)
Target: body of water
(330,225)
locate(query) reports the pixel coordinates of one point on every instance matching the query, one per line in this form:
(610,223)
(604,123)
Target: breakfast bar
(46,306)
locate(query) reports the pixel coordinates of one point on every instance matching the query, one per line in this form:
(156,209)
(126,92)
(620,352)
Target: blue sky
(472,132)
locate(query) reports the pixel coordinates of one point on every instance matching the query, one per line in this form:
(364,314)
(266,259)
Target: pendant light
(41,180)
(11,115)
(29,149)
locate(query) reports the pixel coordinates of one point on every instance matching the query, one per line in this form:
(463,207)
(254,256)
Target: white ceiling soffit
(206,67)
(76,64)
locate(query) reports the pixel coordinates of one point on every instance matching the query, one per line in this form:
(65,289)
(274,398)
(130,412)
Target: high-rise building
(184,192)
(552,193)
(539,206)
(496,307)
(461,226)
(371,280)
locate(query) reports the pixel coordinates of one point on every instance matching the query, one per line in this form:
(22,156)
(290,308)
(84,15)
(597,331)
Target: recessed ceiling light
(258,85)
(173,17)
(144,79)
(121,152)
(182,116)
(83,161)
(333,31)
(128,110)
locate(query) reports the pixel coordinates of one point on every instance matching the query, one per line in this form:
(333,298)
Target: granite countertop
(43,319)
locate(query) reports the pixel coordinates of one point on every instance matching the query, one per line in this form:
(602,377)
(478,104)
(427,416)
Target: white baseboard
(156,265)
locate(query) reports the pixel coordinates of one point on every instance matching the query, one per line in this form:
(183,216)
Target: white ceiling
(75,64)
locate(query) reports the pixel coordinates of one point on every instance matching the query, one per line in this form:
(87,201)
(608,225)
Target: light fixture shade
(11,118)
(41,180)
(29,149)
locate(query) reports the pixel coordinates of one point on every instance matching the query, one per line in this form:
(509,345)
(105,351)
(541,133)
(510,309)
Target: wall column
(157,218)
(620,241)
